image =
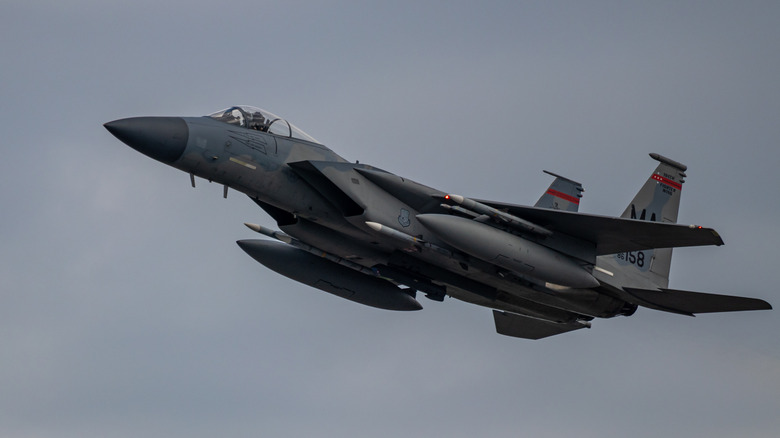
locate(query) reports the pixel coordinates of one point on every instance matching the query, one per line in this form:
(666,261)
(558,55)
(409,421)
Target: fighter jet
(379,239)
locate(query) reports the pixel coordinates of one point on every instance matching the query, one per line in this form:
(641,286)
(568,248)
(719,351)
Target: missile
(403,237)
(460,210)
(278,235)
(508,251)
(501,216)
(384,229)
(282,237)
(323,274)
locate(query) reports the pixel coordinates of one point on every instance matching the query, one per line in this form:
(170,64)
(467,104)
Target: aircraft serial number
(635,258)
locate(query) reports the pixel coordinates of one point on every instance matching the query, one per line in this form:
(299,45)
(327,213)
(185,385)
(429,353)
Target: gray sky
(126,308)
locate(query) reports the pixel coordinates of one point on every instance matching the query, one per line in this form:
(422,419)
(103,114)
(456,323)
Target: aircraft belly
(519,306)
(517,290)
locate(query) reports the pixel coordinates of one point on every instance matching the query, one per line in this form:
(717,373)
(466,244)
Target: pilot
(258,122)
(239,115)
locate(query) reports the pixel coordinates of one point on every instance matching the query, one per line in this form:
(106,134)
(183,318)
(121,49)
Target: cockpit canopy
(260,120)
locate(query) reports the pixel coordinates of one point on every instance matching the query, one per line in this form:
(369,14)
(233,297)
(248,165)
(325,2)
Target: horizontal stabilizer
(689,303)
(518,326)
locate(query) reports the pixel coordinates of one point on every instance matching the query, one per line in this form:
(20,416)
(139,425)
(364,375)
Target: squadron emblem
(403,218)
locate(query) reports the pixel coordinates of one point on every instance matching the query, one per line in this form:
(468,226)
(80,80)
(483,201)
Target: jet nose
(161,138)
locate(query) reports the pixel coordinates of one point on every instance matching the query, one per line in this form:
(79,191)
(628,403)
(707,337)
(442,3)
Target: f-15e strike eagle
(376,238)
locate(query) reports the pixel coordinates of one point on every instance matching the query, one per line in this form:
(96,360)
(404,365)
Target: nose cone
(161,138)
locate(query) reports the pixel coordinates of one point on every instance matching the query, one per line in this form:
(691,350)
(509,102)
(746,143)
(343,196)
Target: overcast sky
(127,310)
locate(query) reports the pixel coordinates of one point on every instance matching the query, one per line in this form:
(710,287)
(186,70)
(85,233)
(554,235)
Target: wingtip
(717,237)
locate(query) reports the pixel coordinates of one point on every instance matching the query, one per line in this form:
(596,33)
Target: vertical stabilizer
(563,194)
(657,201)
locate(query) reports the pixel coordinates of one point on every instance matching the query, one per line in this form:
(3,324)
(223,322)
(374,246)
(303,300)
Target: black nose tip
(162,138)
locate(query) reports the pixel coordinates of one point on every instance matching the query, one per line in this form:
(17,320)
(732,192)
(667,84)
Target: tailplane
(643,276)
(690,303)
(659,199)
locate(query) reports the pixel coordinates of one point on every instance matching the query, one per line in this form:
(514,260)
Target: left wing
(613,235)
(610,235)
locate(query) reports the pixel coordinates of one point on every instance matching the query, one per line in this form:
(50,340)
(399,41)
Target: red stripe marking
(563,196)
(666,181)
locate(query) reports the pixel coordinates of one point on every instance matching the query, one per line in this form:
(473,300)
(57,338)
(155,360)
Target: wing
(610,235)
(613,235)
